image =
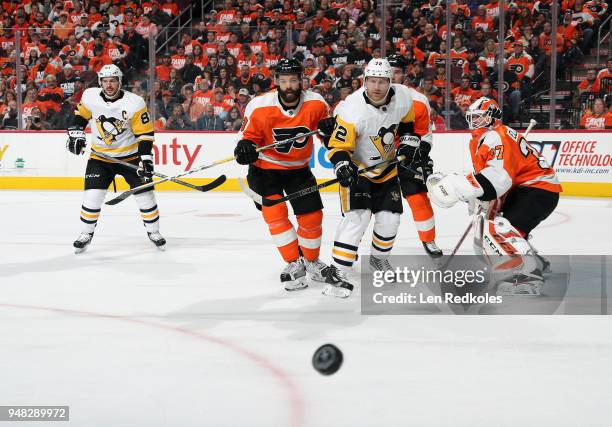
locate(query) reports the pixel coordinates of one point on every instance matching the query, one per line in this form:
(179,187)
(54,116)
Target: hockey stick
(271,202)
(202,188)
(532,123)
(128,193)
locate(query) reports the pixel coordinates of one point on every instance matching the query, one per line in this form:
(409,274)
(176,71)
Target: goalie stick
(202,188)
(257,198)
(222,178)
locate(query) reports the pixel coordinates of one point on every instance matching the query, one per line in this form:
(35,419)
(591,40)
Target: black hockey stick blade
(206,187)
(213,184)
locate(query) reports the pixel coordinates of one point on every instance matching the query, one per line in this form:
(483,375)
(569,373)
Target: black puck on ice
(327,359)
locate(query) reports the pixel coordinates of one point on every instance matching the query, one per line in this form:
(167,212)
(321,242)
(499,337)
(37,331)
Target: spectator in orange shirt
(63,28)
(546,40)
(163,70)
(590,84)
(464,95)
(599,119)
(51,96)
(100,59)
(43,69)
(605,73)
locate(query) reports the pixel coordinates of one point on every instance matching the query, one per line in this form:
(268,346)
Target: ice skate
(432,249)
(293,276)
(158,240)
(529,284)
(336,283)
(81,243)
(381,264)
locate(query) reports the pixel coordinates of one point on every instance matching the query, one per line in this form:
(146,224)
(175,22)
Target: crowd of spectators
(207,73)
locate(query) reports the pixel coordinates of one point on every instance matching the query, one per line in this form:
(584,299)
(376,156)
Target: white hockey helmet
(484,112)
(378,67)
(109,70)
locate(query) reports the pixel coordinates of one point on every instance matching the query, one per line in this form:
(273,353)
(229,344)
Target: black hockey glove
(346,172)
(326,127)
(425,168)
(76,140)
(245,152)
(408,145)
(145,168)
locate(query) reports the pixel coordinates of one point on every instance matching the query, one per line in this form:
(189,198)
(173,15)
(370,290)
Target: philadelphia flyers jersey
(266,122)
(422,117)
(118,125)
(367,133)
(505,158)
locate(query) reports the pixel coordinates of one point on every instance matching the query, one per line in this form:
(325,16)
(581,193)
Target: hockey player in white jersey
(366,125)
(123,129)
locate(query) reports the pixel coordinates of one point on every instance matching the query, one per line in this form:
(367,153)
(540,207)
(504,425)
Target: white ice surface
(203,334)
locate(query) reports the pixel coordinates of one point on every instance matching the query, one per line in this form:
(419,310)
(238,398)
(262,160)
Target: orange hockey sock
(281,229)
(309,234)
(423,216)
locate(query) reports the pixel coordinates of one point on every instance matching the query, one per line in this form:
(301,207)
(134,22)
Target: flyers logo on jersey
(109,128)
(282,134)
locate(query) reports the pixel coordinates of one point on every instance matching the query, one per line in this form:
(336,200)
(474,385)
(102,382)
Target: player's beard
(290,96)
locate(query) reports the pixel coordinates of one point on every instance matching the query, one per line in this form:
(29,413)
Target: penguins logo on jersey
(384,141)
(281,134)
(109,128)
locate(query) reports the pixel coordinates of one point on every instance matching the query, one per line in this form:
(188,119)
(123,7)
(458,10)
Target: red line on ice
(295,399)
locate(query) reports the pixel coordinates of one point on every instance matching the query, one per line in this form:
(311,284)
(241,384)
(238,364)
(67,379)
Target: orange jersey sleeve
(266,122)
(505,158)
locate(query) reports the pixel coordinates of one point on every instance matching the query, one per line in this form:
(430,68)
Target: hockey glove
(145,168)
(326,127)
(408,145)
(425,168)
(245,152)
(346,172)
(76,140)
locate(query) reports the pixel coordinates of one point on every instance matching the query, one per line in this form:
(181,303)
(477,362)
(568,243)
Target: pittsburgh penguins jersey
(266,122)
(367,133)
(118,126)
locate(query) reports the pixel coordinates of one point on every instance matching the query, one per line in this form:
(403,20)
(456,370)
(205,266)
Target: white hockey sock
(348,235)
(90,209)
(383,235)
(148,210)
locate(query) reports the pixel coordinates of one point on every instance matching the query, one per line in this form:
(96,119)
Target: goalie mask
(483,112)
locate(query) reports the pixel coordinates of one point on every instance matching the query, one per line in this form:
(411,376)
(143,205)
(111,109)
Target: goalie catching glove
(447,190)
(76,140)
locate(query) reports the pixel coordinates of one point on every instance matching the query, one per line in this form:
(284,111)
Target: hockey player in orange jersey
(513,186)
(280,114)
(413,186)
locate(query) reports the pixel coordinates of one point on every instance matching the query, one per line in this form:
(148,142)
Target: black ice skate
(336,283)
(381,264)
(432,249)
(81,243)
(158,240)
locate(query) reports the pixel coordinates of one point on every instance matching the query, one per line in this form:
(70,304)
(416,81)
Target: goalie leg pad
(348,235)
(309,234)
(281,229)
(90,209)
(383,236)
(513,264)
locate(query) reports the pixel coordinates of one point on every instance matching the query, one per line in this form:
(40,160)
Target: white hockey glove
(445,191)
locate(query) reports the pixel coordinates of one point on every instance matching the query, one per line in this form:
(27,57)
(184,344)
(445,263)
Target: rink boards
(39,160)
